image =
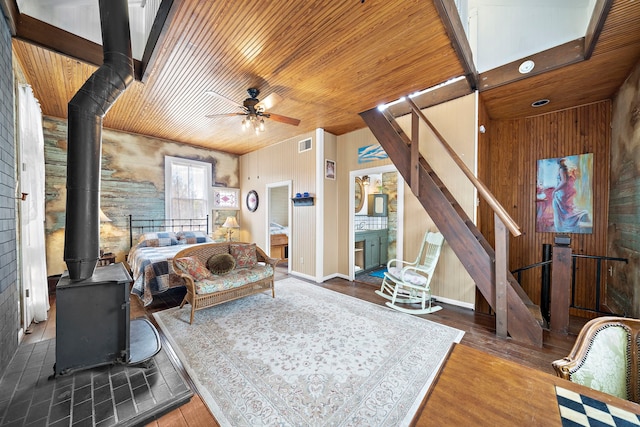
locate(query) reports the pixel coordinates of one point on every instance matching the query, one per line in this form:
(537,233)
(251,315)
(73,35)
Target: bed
(279,240)
(153,245)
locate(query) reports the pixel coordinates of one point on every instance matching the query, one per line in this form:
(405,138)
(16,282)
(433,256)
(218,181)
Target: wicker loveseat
(253,272)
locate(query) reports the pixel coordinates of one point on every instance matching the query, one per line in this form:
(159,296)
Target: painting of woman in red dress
(564,195)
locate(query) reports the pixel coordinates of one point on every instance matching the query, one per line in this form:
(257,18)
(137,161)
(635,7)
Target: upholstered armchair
(605,357)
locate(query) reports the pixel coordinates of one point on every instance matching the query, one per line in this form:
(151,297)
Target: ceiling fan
(255,111)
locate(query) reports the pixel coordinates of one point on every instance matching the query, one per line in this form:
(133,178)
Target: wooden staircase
(516,315)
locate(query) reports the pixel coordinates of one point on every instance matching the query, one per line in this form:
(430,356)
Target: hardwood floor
(479,333)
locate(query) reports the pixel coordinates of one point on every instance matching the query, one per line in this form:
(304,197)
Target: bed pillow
(192,237)
(193,267)
(161,238)
(244,254)
(221,263)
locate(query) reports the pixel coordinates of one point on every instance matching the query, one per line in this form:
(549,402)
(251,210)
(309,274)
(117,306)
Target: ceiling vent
(304,145)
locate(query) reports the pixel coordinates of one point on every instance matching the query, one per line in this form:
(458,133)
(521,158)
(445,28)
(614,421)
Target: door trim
(268,187)
(400,204)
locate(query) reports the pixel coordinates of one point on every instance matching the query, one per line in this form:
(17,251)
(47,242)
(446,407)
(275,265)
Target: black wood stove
(93,326)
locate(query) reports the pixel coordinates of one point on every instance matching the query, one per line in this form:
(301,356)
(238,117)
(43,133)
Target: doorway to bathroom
(376,212)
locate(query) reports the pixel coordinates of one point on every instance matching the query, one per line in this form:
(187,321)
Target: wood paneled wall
(508,164)
(456,121)
(348,145)
(623,290)
(277,163)
(485,217)
(329,202)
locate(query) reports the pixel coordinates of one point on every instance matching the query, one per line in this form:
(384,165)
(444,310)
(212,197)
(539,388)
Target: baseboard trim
(450,301)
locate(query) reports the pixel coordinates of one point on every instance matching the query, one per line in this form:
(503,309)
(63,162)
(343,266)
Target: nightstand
(106,259)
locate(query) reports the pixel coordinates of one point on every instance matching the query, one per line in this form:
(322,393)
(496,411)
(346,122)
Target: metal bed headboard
(141,226)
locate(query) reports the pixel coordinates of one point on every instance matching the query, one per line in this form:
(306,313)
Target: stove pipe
(84,135)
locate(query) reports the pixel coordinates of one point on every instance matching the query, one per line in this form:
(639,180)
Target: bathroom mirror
(359,194)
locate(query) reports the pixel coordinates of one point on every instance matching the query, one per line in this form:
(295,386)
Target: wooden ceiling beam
(32,30)
(435,97)
(455,30)
(598,17)
(40,33)
(164,16)
(545,61)
(551,59)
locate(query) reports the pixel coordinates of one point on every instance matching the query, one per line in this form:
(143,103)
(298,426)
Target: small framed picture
(329,169)
(226,198)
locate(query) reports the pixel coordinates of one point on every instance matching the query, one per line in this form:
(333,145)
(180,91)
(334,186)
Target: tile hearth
(105,396)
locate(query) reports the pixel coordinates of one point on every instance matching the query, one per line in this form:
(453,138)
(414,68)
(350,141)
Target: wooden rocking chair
(408,282)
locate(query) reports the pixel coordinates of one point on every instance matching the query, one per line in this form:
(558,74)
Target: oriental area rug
(308,357)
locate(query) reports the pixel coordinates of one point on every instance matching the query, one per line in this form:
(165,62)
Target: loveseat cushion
(233,279)
(193,267)
(245,254)
(221,263)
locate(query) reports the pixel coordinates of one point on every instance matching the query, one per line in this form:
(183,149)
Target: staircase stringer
(461,234)
(476,232)
(478,258)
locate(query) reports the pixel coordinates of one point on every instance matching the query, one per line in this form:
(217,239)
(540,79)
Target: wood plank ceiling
(328,60)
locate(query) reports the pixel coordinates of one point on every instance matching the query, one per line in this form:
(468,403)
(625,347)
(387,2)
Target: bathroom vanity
(370,249)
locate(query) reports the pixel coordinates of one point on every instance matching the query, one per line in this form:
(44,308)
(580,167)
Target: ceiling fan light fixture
(254,110)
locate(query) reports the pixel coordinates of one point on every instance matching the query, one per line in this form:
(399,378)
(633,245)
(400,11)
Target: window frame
(169,162)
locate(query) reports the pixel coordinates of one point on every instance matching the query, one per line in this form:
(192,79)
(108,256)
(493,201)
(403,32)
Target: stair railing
(545,283)
(502,219)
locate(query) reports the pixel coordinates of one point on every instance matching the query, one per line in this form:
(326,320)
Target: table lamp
(230,223)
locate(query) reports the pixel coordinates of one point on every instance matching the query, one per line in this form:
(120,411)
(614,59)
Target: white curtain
(31,178)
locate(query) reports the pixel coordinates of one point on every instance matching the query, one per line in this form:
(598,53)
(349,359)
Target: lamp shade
(103,217)
(231,222)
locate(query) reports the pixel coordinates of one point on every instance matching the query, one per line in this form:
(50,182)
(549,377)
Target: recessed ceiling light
(526,66)
(540,103)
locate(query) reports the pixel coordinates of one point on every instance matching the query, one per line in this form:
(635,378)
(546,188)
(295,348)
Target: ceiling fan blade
(283,119)
(268,103)
(224,115)
(224,98)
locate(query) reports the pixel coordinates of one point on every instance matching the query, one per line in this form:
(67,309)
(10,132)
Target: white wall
(508,30)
